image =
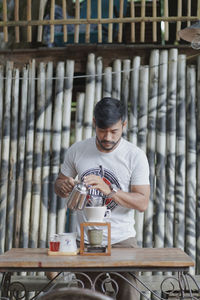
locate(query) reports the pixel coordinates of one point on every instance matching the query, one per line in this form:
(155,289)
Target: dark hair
(108,111)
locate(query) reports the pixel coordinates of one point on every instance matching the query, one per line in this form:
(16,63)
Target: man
(114,169)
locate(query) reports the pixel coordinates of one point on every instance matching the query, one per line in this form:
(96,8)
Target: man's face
(108,139)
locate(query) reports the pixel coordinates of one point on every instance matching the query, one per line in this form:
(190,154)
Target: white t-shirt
(126,165)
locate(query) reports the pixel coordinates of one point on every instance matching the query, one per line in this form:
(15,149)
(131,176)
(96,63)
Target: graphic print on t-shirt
(109,178)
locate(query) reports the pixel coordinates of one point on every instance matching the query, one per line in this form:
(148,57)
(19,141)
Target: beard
(107,145)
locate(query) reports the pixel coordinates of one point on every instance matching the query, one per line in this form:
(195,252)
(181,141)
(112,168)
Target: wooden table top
(121,259)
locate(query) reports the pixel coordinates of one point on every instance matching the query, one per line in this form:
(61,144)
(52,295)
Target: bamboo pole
(171,148)
(142,136)
(98,80)
(134,94)
(87,32)
(5,155)
(154,23)
(132,14)
(12,161)
(125,87)
(79,116)
(198,169)
(67,101)
(159,221)
(17,38)
(21,156)
(110,25)
(151,144)
(121,12)
(37,162)
(190,246)
(65,137)
(142,24)
(107,82)
(198,9)
(28,156)
(77,17)
(116,81)
(179,225)
(166,15)
(189,11)
(52,17)
(99,25)
(44,202)
(56,145)
(64,11)
(89,96)
(29,28)
(5,19)
(41,17)
(178,24)
(1,105)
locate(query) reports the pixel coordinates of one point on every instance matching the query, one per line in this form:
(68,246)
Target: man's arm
(137,199)
(63,185)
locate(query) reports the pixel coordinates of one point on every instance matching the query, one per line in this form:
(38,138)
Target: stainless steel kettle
(78,197)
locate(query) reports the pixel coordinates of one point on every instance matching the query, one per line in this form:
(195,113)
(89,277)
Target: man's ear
(124,124)
(94,122)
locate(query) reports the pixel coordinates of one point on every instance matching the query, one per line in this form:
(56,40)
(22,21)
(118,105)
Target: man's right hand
(64,185)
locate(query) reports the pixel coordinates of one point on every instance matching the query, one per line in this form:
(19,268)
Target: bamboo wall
(38,123)
(150,15)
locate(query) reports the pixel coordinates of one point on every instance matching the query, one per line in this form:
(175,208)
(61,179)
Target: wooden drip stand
(82,244)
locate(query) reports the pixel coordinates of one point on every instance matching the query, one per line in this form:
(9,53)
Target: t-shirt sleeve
(140,174)
(68,166)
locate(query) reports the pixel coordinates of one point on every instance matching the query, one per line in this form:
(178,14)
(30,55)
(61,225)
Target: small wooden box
(82,244)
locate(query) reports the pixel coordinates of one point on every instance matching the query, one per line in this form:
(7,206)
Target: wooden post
(166,14)
(151,144)
(178,24)
(132,14)
(134,94)
(21,156)
(17,38)
(198,170)
(99,25)
(110,25)
(56,146)
(1,104)
(67,101)
(107,82)
(116,82)
(29,29)
(189,11)
(37,161)
(125,84)
(79,116)
(29,156)
(171,148)
(46,183)
(142,24)
(77,17)
(142,136)
(5,19)
(89,96)
(121,12)
(98,81)
(87,31)
(5,155)
(191,160)
(154,3)
(179,227)
(52,17)
(161,152)
(11,200)
(64,11)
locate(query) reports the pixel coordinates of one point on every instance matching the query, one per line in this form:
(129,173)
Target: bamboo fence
(39,123)
(113,20)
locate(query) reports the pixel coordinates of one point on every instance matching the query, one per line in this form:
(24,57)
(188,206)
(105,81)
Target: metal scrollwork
(17,290)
